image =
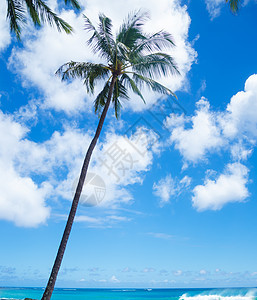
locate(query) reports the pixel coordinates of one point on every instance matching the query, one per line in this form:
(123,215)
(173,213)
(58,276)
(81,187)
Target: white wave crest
(248,296)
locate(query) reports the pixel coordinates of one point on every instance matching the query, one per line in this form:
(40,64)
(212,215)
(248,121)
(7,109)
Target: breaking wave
(229,294)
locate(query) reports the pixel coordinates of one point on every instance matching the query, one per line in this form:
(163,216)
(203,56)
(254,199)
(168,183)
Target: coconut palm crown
(39,12)
(133,58)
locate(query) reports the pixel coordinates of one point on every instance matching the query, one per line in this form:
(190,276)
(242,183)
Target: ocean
(132,294)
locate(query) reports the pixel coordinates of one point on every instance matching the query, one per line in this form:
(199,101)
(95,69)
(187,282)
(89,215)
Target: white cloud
(100,222)
(185,182)
(22,201)
(178,273)
(202,137)
(167,187)
(58,161)
(240,152)
(210,131)
(43,54)
(160,235)
(62,155)
(241,113)
(47,49)
(5,37)
(114,279)
(148,270)
(214,7)
(233,130)
(164,189)
(227,188)
(121,162)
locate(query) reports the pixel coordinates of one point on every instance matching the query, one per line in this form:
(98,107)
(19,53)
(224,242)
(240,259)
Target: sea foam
(224,295)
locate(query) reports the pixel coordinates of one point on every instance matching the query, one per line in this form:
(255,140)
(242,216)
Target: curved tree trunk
(52,279)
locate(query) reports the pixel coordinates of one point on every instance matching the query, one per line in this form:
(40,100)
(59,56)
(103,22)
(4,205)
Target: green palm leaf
(18,10)
(17,16)
(152,84)
(89,72)
(157,64)
(33,12)
(234,5)
(101,98)
(119,92)
(101,40)
(74,3)
(156,41)
(46,15)
(131,30)
(130,83)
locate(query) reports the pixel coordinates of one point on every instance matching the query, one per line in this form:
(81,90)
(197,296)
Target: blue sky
(178,207)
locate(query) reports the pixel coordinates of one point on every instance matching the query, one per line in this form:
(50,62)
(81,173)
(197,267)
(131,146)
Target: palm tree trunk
(52,279)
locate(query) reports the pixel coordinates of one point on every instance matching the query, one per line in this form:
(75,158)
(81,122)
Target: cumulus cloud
(209,131)
(50,168)
(241,117)
(42,55)
(116,163)
(47,49)
(201,137)
(133,160)
(22,201)
(226,188)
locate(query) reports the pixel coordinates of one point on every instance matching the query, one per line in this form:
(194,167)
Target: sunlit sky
(177,207)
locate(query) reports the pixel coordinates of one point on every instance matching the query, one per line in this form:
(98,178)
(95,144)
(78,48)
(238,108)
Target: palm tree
(131,62)
(17,11)
(234,5)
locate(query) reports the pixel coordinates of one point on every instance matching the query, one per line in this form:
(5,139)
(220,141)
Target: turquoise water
(133,294)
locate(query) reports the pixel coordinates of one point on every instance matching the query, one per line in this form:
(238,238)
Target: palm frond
(89,72)
(157,41)
(33,12)
(105,31)
(234,5)
(119,91)
(157,64)
(131,30)
(101,41)
(16,15)
(74,3)
(47,15)
(130,83)
(152,84)
(122,52)
(101,98)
